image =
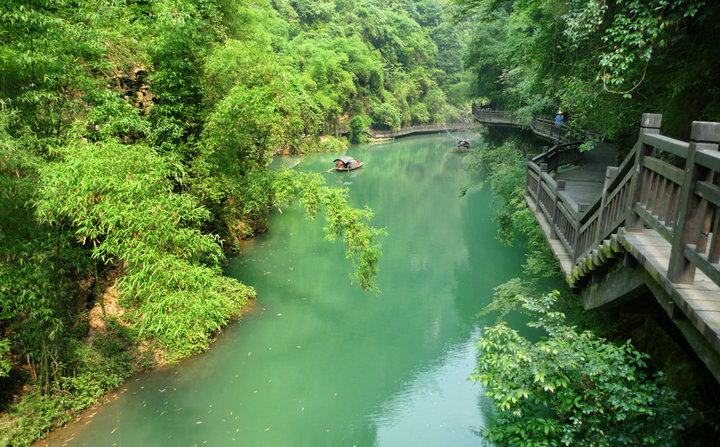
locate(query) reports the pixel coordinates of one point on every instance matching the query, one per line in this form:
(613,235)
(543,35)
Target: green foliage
(34,263)
(332,144)
(343,221)
(120,202)
(112,117)
(358,125)
(183,32)
(504,167)
(98,368)
(4,357)
(386,116)
(572,388)
(41,43)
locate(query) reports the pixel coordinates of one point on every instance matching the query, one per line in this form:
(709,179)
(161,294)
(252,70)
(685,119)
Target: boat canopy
(349,162)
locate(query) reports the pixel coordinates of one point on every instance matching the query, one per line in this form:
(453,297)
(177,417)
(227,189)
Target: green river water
(317,361)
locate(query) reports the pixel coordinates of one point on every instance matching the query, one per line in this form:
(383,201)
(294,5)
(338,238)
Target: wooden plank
(708,191)
(663,168)
(653,222)
(668,144)
(712,319)
(701,262)
(709,158)
(619,186)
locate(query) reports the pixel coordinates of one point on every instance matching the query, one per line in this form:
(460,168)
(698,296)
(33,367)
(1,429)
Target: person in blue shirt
(559,118)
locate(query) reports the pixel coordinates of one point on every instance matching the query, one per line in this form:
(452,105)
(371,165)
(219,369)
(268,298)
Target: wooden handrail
(343,129)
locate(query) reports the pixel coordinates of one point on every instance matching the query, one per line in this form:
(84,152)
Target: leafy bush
(332,144)
(97,368)
(111,116)
(4,357)
(122,204)
(358,124)
(571,388)
(386,116)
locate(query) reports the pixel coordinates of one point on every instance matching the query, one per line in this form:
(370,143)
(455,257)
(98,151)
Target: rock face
(133,87)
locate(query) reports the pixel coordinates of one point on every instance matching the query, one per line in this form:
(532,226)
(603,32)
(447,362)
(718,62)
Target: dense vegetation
(135,139)
(572,387)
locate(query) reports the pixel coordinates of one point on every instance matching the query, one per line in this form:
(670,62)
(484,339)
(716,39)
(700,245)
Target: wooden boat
(346,164)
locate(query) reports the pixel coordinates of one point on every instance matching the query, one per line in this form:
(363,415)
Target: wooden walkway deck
(584,183)
(699,301)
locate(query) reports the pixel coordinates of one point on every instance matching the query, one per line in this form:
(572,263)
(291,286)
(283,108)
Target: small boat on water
(462,143)
(346,164)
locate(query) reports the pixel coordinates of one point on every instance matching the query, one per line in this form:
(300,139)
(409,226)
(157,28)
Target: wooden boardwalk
(584,182)
(543,127)
(648,226)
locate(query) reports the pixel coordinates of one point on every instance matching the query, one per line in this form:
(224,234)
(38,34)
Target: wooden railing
(553,203)
(559,155)
(664,184)
(344,129)
(486,114)
(541,125)
(426,128)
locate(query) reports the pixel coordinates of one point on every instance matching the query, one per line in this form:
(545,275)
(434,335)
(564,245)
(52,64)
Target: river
(319,362)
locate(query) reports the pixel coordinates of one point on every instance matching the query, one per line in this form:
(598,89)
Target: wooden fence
(664,184)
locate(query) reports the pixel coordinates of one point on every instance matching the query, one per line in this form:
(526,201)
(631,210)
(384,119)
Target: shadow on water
(319,362)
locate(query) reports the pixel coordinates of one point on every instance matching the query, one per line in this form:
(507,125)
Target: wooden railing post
(610,172)
(689,220)
(560,186)
(650,124)
(581,208)
(543,170)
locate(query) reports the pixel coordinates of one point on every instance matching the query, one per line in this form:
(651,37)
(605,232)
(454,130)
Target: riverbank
(112,353)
